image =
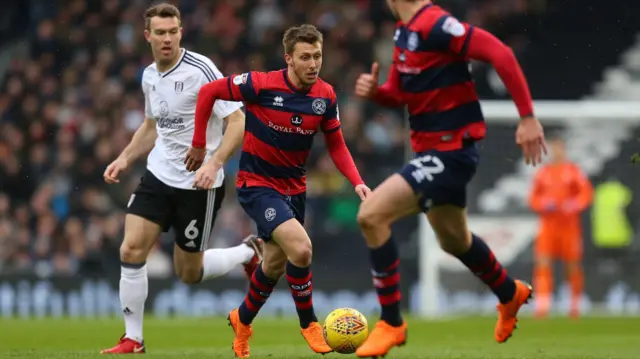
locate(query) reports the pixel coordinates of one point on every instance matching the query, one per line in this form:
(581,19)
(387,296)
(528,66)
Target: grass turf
(464,338)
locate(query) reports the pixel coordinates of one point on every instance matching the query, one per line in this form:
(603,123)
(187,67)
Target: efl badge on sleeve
(240,79)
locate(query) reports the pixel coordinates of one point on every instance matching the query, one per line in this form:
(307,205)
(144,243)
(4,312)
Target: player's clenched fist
(206,175)
(530,137)
(194,158)
(367,84)
(113,170)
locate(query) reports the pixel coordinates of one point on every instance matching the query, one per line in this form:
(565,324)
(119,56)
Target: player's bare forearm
(207,96)
(142,142)
(232,139)
(342,157)
(485,47)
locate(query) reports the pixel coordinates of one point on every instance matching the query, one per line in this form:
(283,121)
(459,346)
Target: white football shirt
(170,99)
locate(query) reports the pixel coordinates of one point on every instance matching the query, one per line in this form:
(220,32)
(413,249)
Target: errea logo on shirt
(278,101)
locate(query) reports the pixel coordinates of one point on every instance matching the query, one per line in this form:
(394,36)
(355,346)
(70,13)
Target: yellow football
(345,329)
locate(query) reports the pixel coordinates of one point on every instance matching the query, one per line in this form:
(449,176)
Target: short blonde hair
(304,33)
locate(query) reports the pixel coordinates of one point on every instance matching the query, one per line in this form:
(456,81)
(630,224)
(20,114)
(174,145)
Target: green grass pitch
(464,338)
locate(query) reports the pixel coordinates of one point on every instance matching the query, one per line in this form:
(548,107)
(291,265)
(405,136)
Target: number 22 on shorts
(426,167)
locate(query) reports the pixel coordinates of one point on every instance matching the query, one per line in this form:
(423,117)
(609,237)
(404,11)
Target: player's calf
(140,235)
(195,267)
(392,200)
(274,262)
(449,224)
(188,266)
(295,243)
(262,282)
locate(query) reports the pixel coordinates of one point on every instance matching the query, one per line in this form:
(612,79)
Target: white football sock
(219,261)
(134,287)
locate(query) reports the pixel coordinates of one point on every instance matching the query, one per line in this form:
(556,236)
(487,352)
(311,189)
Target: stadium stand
(73,101)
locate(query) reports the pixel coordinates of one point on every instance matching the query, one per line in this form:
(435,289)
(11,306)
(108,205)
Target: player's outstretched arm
(231,141)
(481,45)
(142,142)
(341,157)
(207,96)
(485,47)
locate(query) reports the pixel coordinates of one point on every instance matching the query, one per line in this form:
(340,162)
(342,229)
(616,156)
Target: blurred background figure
(561,192)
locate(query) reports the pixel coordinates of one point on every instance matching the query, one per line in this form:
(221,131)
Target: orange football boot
(314,336)
(507,312)
(382,339)
(243,333)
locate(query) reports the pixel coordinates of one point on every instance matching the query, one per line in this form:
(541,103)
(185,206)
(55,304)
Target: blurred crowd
(71,106)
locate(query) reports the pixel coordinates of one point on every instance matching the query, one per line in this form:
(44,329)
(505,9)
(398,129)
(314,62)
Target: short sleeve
(211,73)
(246,87)
(331,120)
(148,113)
(223,108)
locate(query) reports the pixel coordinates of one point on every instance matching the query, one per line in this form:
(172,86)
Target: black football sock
(386,279)
(260,289)
(483,263)
(301,285)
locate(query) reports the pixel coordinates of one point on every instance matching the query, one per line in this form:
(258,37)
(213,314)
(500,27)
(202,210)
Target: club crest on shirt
(319,106)
(179,85)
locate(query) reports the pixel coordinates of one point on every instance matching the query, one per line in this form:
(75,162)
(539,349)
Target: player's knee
(368,218)
(132,251)
(301,255)
(189,275)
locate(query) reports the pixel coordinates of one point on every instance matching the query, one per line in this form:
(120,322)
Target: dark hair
(304,33)
(163,10)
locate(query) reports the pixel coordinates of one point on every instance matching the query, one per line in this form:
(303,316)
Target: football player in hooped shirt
(284,109)
(430,75)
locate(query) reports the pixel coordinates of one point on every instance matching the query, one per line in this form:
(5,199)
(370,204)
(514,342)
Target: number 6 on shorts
(192,232)
(194,216)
